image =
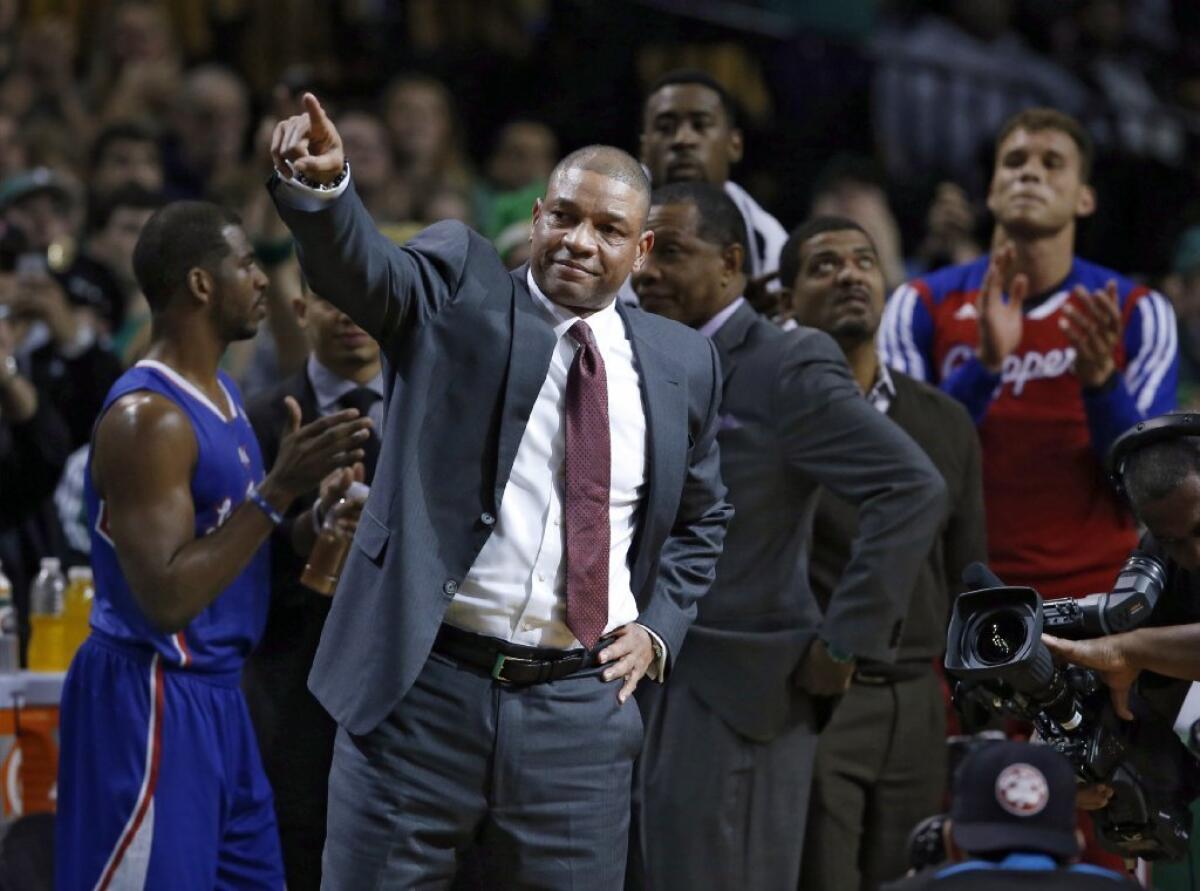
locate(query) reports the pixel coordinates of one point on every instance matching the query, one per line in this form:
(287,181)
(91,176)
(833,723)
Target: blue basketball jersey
(228,465)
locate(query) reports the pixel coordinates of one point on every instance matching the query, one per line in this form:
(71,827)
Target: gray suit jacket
(466,353)
(793,419)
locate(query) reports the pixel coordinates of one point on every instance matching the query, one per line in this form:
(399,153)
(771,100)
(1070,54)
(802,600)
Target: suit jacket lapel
(665,402)
(730,337)
(528,360)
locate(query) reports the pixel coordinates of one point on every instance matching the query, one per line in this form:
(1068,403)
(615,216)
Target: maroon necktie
(587,468)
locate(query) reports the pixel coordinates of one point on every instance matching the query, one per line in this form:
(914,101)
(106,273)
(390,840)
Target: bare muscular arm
(145,453)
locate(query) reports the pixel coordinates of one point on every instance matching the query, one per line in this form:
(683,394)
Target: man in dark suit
(731,738)
(295,734)
(881,763)
(546,512)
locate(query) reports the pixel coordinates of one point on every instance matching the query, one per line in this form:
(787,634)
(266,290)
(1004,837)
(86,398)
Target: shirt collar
(605,323)
(883,391)
(329,387)
(713,325)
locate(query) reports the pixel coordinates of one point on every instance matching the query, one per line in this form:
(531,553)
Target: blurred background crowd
(881,111)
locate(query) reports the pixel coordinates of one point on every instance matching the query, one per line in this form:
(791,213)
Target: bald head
(610,162)
(589,230)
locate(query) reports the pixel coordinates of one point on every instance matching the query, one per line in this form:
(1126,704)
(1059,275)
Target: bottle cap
(79,573)
(52,563)
(358,490)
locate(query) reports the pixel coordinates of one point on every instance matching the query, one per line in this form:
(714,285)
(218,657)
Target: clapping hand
(1092,322)
(1000,321)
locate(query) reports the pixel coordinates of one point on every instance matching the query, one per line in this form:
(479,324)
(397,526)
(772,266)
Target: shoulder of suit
(454,234)
(664,329)
(931,399)
(810,344)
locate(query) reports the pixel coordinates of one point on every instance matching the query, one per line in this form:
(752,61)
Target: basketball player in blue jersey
(160,782)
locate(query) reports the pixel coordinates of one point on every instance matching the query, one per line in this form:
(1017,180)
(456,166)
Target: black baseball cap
(1014,796)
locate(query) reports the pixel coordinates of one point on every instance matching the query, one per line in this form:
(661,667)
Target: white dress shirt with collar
(329,387)
(516,589)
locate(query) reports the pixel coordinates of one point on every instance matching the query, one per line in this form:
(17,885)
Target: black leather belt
(879,675)
(506,662)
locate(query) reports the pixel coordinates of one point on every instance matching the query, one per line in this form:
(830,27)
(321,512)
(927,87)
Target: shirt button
(450,587)
(487,519)
(541,577)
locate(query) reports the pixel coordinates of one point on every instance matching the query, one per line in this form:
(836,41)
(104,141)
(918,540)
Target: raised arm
(173,574)
(384,287)
(836,437)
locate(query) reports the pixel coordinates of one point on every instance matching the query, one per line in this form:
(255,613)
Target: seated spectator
(123,153)
(426,136)
(55,332)
(107,262)
(136,64)
(34,443)
(375,179)
(209,125)
(854,188)
(525,153)
(1012,825)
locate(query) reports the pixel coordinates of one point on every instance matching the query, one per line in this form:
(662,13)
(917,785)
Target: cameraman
(1012,825)
(1161,480)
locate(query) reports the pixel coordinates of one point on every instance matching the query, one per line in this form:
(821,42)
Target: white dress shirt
(516,590)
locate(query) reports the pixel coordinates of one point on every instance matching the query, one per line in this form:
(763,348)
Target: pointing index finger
(316,115)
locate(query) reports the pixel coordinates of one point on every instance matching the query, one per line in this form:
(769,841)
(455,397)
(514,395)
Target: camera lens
(1000,637)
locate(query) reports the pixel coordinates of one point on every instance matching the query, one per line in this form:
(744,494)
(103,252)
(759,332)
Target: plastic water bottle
(47,643)
(10,644)
(77,611)
(328,554)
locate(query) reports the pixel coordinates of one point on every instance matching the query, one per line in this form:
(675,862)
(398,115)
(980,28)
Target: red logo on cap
(1022,790)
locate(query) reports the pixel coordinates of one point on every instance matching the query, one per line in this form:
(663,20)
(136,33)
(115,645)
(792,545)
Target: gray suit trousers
(537,779)
(881,769)
(717,810)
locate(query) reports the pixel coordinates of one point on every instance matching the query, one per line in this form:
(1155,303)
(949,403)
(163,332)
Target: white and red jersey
(1054,521)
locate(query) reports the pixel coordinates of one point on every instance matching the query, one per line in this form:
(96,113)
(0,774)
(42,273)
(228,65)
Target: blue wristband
(262,504)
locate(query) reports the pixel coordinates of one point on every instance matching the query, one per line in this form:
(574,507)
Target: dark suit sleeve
(688,560)
(965,536)
(386,288)
(32,457)
(835,436)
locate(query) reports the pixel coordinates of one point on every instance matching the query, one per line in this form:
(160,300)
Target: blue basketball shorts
(160,783)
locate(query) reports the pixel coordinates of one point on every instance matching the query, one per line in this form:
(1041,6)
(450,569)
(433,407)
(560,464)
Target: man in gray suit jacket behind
(546,511)
(730,740)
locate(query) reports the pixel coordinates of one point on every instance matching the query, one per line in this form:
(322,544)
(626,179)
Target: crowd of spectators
(459,110)
(107,113)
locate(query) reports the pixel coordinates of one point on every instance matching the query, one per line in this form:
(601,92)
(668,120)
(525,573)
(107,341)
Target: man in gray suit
(546,511)
(730,740)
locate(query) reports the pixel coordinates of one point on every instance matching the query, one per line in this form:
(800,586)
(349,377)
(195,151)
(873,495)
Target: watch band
(323,187)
